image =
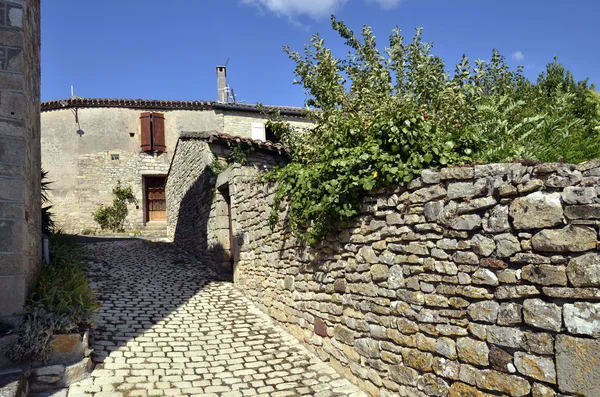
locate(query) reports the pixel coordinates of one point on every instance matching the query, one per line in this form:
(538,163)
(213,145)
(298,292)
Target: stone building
(89,145)
(20,230)
(200,209)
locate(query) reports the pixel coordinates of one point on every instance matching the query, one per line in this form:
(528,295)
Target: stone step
(13,383)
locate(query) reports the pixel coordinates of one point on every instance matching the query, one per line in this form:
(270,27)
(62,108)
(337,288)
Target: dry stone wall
(197,200)
(474,281)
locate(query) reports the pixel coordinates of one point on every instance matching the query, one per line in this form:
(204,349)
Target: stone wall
(475,281)
(197,200)
(20,222)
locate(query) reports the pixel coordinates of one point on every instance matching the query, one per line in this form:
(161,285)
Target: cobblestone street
(170,328)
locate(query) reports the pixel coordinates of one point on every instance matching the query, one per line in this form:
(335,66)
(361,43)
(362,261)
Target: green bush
(380,118)
(61,301)
(113,217)
(62,287)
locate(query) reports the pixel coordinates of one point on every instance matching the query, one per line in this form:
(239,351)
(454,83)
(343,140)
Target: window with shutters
(153,132)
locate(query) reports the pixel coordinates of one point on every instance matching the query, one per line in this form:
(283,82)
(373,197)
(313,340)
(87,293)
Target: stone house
(88,145)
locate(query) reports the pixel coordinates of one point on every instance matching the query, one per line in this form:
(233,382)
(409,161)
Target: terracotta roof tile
(213,136)
(164,104)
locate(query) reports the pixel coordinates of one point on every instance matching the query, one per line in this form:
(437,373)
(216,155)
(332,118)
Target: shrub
(35,334)
(47,221)
(380,118)
(62,287)
(60,301)
(113,217)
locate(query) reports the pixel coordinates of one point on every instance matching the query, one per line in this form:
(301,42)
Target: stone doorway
(155,199)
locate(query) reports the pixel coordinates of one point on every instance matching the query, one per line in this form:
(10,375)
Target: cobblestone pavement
(169,328)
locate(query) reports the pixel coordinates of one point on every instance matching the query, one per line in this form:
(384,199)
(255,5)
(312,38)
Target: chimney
(223,90)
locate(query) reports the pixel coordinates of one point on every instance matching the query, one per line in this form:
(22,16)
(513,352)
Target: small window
(114,157)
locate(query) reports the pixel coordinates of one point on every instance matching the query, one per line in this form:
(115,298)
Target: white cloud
(292,8)
(518,56)
(386,4)
(315,9)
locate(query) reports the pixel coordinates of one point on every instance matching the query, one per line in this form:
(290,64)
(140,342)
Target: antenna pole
(72,94)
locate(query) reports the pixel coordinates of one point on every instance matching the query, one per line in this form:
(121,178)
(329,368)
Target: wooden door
(156,200)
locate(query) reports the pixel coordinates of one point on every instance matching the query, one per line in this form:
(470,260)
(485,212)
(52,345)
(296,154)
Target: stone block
(464,189)
(505,336)
(456,173)
(485,311)
(577,366)
(501,361)
(579,195)
(13,292)
(504,383)
(536,210)
(573,238)
(477,204)
(417,359)
(320,327)
(496,220)
(582,318)
(459,389)
(588,211)
(472,351)
(545,274)
(13,105)
(344,334)
(432,386)
(430,176)
(536,367)
(67,348)
(404,375)
(446,368)
(466,222)
(482,245)
(367,347)
(540,314)
(510,314)
(485,277)
(506,245)
(427,194)
(584,270)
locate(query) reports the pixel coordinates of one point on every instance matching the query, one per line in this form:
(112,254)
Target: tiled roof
(162,104)
(214,136)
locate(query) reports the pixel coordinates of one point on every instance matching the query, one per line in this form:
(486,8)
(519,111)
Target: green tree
(380,117)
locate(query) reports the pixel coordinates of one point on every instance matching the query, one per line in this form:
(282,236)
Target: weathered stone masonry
(472,281)
(20,229)
(197,213)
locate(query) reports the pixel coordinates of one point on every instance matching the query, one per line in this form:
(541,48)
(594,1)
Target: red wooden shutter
(158,132)
(146,132)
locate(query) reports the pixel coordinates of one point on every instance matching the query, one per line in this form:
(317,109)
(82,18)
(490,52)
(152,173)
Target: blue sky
(169,49)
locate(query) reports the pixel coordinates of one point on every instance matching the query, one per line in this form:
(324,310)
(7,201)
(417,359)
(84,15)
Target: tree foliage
(380,117)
